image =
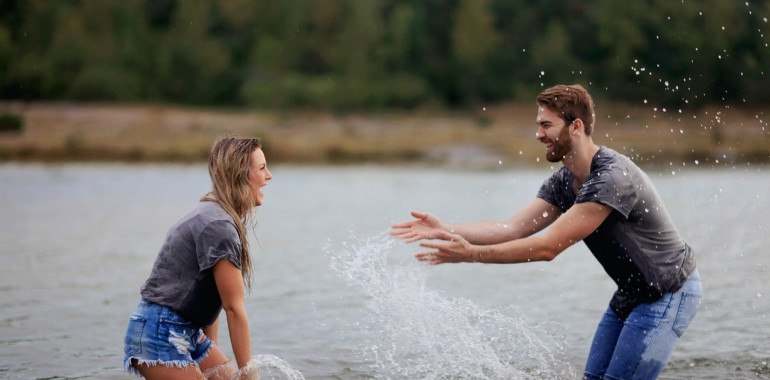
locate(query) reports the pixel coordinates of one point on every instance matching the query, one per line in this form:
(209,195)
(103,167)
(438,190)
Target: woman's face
(258,175)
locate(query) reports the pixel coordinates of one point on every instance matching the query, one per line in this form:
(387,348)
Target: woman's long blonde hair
(229,167)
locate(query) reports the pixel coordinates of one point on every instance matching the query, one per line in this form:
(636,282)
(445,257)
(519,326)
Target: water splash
(424,334)
(260,367)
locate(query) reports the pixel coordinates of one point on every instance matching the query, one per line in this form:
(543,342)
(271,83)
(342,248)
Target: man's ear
(579,127)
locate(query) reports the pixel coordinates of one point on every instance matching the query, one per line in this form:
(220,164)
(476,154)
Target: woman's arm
(212,331)
(230,285)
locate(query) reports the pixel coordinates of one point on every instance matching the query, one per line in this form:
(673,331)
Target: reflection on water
(78,241)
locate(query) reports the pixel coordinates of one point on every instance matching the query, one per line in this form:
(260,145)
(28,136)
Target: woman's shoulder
(206,215)
(211,211)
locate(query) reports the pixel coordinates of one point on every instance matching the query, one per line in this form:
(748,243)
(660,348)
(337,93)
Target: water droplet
(545,214)
(759,295)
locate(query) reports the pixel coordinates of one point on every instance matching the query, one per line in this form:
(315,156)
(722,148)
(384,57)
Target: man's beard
(561,147)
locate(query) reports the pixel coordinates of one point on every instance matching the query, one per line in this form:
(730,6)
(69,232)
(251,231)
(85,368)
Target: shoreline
(90,132)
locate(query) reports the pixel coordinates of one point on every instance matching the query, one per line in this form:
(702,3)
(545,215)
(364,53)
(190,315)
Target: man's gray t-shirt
(638,245)
(182,277)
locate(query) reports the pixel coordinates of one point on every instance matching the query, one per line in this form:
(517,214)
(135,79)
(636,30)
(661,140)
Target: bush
(11,123)
(105,83)
(336,93)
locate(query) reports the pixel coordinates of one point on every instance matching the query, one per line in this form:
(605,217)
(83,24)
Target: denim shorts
(158,335)
(639,347)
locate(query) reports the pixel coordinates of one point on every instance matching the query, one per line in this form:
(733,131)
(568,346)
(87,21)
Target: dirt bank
(483,137)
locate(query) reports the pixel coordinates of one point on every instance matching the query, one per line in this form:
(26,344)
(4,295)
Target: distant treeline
(347,54)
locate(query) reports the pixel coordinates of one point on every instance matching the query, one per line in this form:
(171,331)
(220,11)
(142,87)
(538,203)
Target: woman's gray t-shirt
(638,245)
(182,277)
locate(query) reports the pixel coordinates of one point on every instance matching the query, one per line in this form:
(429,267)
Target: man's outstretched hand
(450,248)
(424,226)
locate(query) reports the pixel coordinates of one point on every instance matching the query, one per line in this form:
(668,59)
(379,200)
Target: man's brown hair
(571,102)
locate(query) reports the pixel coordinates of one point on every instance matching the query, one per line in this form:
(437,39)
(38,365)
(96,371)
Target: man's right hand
(425,226)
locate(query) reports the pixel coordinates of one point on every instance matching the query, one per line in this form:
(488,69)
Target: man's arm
(527,221)
(573,226)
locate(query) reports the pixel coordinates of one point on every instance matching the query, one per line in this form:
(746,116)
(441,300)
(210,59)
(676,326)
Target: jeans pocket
(686,312)
(134,333)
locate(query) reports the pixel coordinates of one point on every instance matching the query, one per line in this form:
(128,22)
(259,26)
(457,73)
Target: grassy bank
(483,137)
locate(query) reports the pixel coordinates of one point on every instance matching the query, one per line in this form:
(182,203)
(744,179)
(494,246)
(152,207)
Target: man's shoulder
(609,161)
(608,156)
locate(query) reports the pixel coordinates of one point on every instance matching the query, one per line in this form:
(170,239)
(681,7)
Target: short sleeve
(556,190)
(612,187)
(218,240)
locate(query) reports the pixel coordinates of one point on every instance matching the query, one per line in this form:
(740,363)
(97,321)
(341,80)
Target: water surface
(79,240)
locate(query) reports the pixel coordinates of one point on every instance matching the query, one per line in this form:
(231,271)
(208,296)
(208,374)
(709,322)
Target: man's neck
(578,162)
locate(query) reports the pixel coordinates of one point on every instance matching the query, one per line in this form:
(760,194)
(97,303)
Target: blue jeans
(157,335)
(640,347)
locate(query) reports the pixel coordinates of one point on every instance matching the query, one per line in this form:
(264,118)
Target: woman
(203,267)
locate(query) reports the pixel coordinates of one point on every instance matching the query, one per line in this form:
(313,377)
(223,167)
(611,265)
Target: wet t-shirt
(182,277)
(638,245)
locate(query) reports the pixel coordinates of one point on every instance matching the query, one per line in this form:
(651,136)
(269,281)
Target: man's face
(553,131)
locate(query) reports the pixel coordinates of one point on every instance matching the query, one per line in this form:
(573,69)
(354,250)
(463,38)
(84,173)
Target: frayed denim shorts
(157,335)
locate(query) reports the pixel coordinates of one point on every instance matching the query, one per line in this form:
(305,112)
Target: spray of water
(424,334)
(260,367)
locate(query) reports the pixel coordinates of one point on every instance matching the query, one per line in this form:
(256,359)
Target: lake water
(335,298)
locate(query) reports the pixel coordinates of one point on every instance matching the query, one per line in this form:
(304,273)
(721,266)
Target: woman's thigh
(163,372)
(216,365)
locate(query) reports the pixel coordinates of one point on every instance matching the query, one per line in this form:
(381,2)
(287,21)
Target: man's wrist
(478,255)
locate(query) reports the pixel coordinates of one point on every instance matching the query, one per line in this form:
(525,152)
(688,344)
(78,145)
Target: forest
(382,54)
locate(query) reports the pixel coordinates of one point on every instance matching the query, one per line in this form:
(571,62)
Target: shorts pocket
(134,334)
(686,312)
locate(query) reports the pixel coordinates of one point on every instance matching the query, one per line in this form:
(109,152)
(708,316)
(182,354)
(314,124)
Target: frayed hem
(205,354)
(131,368)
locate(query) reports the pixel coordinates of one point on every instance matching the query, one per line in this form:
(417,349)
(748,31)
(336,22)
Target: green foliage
(96,83)
(11,122)
(344,54)
(336,93)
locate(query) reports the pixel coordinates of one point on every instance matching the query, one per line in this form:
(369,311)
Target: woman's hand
(452,249)
(425,226)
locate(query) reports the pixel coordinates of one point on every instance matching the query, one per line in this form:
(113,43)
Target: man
(601,197)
